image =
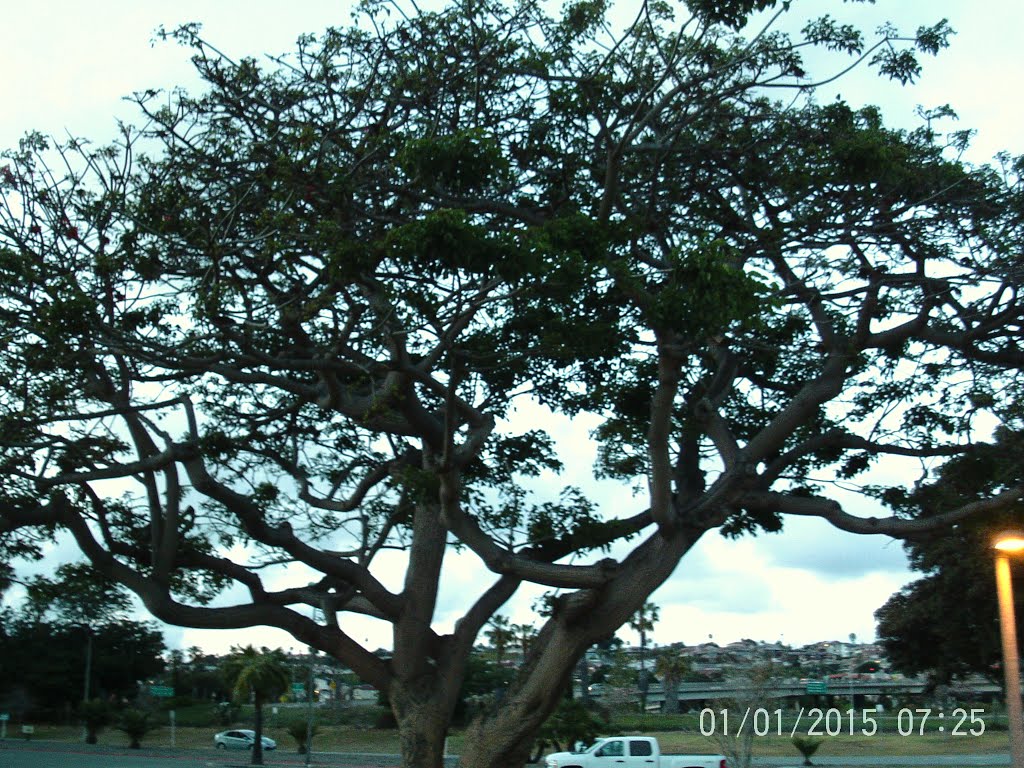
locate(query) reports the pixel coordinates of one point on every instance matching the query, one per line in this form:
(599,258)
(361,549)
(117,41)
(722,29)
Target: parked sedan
(240,739)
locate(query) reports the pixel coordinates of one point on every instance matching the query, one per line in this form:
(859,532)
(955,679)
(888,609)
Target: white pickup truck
(630,752)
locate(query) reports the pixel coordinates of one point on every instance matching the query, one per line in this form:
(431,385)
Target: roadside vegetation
(352,730)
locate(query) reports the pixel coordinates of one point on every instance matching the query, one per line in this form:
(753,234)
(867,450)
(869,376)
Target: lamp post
(309,709)
(1005,545)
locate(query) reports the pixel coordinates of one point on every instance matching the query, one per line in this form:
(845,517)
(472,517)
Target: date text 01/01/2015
(833,722)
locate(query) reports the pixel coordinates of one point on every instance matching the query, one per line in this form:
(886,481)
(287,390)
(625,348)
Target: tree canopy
(65,615)
(290,317)
(957,573)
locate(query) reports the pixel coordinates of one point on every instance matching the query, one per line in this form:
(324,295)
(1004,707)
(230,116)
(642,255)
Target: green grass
(677,733)
(348,739)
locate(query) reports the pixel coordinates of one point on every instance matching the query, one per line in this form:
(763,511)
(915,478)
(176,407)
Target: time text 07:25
(833,722)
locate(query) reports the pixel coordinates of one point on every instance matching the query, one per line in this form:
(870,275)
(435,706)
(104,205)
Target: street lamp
(1005,545)
(309,710)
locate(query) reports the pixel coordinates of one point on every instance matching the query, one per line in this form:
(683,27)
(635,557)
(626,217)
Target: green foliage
(446,241)
(957,571)
(135,723)
(298,730)
(79,595)
(570,723)
(673,668)
(123,652)
(95,715)
(464,162)
(293,316)
(500,635)
(705,292)
(806,746)
(484,679)
(264,674)
(731,13)
(228,712)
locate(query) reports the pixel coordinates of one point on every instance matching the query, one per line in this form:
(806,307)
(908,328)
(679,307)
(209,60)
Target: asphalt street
(17,754)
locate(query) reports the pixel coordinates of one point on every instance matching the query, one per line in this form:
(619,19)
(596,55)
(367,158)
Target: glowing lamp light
(1006,544)
(1009,542)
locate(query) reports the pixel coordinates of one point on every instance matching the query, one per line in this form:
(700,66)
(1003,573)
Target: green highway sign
(298,689)
(817,687)
(162,691)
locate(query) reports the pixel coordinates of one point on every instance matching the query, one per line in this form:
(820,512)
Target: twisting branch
(899,528)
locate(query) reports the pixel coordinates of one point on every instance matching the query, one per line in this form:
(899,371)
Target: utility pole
(88,675)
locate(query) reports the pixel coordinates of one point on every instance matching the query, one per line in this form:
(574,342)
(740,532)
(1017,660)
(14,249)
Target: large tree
(290,317)
(957,570)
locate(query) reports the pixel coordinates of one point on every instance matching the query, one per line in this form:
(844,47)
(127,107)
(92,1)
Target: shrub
(297,730)
(95,715)
(228,712)
(807,746)
(570,723)
(136,724)
(359,717)
(200,715)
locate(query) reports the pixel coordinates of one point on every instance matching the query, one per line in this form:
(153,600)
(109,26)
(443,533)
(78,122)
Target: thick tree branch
(899,528)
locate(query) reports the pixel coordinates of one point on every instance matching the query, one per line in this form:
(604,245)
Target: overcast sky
(67,64)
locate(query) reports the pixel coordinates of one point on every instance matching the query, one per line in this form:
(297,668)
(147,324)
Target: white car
(241,739)
(630,752)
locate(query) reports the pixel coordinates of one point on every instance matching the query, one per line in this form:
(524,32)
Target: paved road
(961,761)
(16,754)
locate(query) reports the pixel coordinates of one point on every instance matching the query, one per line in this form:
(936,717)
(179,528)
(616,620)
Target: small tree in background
(570,723)
(807,746)
(297,730)
(262,674)
(643,621)
(524,635)
(501,635)
(95,715)
(671,666)
(751,694)
(135,723)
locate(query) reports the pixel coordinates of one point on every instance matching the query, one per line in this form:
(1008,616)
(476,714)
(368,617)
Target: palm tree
(265,675)
(671,666)
(643,622)
(500,634)
(524,635)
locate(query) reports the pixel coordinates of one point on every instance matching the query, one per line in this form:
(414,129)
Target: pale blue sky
(66,64)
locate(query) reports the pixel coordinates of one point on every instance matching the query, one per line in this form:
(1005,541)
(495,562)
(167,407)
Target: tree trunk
(423,717)
(505,738)
(257,747)
(671,688)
